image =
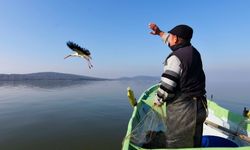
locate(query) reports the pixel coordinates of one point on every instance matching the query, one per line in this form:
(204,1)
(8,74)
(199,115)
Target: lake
(63,115)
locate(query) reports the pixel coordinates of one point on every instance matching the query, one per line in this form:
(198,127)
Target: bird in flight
(79,52)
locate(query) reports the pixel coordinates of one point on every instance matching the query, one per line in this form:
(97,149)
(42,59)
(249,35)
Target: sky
(33,36)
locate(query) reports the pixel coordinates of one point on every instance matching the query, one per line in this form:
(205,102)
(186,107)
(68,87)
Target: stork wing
(77,48)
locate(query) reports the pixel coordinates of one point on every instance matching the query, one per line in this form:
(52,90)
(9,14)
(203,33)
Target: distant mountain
(45,76)
(64,76)
(50,80)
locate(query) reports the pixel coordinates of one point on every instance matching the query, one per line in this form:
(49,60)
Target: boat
(222,129)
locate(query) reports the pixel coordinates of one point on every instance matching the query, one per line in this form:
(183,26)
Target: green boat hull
(145,102)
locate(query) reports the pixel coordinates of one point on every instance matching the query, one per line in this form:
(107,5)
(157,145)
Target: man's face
(172,39)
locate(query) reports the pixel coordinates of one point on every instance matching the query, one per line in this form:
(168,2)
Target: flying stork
(79,52)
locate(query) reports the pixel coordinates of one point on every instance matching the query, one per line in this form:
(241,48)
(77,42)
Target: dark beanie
(182,31)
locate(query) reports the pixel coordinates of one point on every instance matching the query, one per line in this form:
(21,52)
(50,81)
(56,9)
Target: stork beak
(66,56)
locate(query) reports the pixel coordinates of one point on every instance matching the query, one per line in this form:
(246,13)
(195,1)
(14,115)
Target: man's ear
(175,39)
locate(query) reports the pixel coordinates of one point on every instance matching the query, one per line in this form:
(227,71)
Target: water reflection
(74,115)
(46,84)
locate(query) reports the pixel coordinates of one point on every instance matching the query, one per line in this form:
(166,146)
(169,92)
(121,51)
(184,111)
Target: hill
(45,76)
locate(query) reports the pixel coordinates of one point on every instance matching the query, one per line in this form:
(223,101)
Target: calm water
(81,116)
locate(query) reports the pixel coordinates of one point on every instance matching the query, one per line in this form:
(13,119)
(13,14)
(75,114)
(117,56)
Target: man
(182,87)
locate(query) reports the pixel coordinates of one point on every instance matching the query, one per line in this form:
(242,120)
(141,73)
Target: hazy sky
(33,35)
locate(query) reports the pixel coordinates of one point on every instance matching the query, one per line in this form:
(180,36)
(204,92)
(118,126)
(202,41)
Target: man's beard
(171,47)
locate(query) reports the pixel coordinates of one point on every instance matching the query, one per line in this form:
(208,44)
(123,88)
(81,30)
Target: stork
(79,52)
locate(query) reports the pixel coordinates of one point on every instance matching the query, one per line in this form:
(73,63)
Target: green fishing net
(148,128)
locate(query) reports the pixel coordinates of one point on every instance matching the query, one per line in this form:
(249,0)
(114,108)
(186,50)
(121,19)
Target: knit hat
(182,31)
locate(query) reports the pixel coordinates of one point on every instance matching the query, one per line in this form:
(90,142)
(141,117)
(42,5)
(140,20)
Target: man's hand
(155,28)
(157,102)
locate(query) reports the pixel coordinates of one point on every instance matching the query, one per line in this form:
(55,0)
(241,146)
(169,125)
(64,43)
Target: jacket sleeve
(165,38)
(169,79)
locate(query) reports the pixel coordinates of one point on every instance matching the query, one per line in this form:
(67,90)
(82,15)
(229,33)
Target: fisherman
(182,87)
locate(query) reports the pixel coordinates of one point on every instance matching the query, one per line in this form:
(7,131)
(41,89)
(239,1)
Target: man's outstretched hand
(155,29)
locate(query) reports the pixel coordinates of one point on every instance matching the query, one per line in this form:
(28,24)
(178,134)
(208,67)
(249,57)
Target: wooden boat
(223,129)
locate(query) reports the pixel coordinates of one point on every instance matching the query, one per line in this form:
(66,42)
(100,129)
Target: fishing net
(149,128)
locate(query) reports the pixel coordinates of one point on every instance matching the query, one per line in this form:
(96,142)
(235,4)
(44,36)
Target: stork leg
(89,63)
